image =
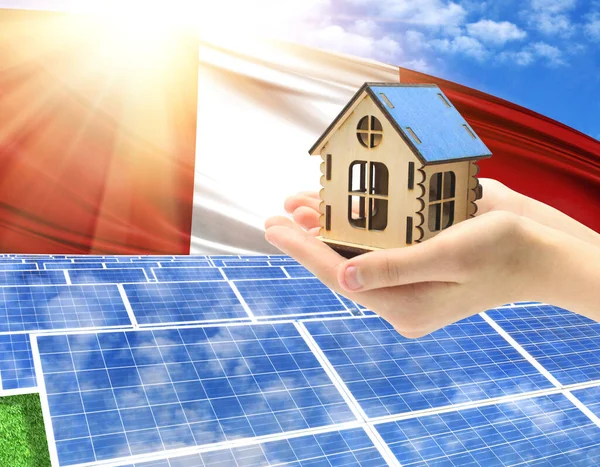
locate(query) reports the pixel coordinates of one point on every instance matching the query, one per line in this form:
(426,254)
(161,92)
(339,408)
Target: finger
(497,197)
(278,220)
(307,218)
(316,256)
(311,194)
(426,262)
(294,202)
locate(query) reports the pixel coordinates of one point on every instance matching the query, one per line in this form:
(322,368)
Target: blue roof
(443,133)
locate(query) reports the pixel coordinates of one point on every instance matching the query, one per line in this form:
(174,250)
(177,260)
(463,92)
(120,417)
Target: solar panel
(240,263)
(389,374)
(114,395)
(541,431)
(70,265)
(254,272)
(185,274)
(47,307)
(185,264)
(32,277)
(93,259)
(16,363)
(286,297)
(175,302)
(107,276)
(298,271)
(351,447)
(565,344)
(17,266)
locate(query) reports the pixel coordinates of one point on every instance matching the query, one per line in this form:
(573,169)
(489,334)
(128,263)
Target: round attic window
(369,131)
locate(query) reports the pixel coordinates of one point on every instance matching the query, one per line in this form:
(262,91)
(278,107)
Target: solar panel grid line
(160,303)
(420,413)
(333,375)
(463,406)
(211,322)
(381,446)
(347,447)
(386,389)
(581,406)
(67,277)
(534,431)
(346,394)
(519,348)
(584,385)
(285,272)
(241,300)
(276,297)
(127,305)
(339,424)
(306,316)
(188,274)
(46,416)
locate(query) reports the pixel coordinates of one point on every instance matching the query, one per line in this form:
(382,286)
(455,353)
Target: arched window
(368,184)
(369,132)
(442,191)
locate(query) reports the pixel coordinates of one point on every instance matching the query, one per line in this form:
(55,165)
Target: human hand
(470,267)
(496,258)
(496,197)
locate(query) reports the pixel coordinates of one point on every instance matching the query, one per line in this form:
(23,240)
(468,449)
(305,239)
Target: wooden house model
(399,166)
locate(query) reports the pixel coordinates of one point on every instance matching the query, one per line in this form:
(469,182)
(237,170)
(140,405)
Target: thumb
(425,262)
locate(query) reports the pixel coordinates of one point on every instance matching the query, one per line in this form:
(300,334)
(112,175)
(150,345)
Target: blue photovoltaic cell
(564,343)
(116,394)
(93,259)
(253,272)
(176,302)
(107,276)
(16,362)
(124,265)
(353,307)
(183,274)
(18,267)
(590,398)
(32,277)
(389,374)
(185,264)
(61,307)
(288,297)
(297,271)
(68,265)
(349,448)
(245,264)
(544,431)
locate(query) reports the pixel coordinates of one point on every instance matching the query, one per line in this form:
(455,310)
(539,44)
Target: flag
(194,153)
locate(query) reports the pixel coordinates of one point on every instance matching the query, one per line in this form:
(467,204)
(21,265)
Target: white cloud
(551,17)
(334,37)
(550,55)
(495,32)
(592,27)
(462,45)
(553,6)
(423,12)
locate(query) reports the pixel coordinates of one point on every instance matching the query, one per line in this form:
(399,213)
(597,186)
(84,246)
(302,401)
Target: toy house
(399,166)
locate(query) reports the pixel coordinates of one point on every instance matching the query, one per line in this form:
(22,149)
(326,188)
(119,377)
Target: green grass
(22,435)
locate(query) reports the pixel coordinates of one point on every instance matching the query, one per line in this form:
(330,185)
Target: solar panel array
(250,360)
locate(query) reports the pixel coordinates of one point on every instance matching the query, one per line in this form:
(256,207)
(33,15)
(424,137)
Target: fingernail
(352,278)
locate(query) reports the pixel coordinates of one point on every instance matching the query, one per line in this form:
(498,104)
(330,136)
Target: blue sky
(542,54)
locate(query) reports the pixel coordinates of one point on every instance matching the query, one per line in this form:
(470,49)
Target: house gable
(415,110)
